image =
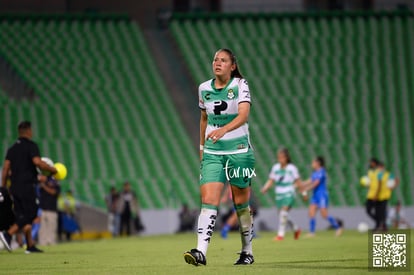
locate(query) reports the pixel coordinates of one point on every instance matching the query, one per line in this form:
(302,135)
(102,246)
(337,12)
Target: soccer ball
(364,181)
(391,183)
(61,171)
(48,162)
(362,227)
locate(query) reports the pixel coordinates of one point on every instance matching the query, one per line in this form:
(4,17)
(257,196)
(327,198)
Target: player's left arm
(239,120)
(5,172)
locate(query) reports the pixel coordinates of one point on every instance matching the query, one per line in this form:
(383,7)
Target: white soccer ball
(391,183)
(48,162)
(363,227)
(364,181)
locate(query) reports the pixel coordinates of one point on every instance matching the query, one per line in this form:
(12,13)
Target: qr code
(390,250)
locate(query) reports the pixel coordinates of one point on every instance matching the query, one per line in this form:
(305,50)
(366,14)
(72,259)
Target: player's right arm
(5,172)
(43,165)
(203,126)
(271,180)
(267,186)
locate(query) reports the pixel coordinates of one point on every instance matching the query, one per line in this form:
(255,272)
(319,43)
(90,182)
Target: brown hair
(285,151)
(320,160)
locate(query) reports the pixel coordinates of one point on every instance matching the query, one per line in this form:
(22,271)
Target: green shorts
(238,169)
(286,199)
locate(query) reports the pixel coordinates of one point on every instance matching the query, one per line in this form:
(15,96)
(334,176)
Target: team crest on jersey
(230,94)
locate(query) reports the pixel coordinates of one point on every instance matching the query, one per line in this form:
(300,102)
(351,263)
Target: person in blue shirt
(320,197)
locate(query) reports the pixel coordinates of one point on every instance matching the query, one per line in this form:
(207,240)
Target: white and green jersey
(221,106)
(284,178)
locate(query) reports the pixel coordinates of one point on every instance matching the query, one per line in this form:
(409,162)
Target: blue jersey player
(320,197)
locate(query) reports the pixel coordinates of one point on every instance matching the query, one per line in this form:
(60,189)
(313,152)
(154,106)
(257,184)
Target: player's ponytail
(236,72)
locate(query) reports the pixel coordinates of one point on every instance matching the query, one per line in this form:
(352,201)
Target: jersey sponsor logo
(207,96)
(219,106)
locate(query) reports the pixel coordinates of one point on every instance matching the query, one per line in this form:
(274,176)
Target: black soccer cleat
(33,249)
(245,259)
(5,238)
(195,257)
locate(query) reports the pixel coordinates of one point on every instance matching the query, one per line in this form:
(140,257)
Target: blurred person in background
(20,164)
(386,184)
(112,200)
(371,202)
(6,210)
(49,190)
(67,224)
(230,220)
(187,219)
(320,197)
(129,210)
(287,179)
(396,217)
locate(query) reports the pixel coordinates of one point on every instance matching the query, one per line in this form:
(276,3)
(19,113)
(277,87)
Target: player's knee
(209,199)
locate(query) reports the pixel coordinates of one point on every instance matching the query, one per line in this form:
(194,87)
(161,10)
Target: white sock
(246,228)
(283,218)
(206,222)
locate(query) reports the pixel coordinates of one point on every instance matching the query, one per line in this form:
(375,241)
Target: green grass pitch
(324,254)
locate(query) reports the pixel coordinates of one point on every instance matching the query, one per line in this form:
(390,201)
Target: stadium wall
(166,221)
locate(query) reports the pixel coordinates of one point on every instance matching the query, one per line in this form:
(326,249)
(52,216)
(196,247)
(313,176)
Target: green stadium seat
(324,85)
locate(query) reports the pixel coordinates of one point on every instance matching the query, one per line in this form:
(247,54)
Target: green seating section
(340,86)
(102,108)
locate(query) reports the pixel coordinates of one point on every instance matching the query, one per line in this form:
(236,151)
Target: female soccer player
(225,153)
(320,199)
(286,177)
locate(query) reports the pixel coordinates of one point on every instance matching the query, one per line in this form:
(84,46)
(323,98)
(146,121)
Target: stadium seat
(99,98)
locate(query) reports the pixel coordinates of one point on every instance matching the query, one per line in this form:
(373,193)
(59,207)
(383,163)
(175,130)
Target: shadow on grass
(313,264)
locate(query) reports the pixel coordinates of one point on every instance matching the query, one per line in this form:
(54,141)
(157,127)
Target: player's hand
(54,171)
(217,134)
(263,190)
(41,178)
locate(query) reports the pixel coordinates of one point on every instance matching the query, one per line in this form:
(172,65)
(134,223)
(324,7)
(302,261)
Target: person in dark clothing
(6,209)
(187,219)
(128,208)
(48,193)
(20,163)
